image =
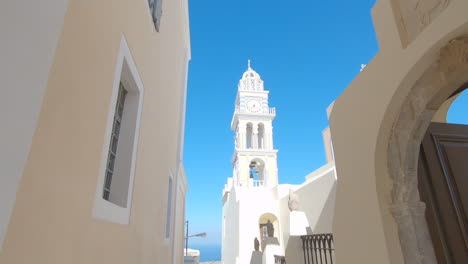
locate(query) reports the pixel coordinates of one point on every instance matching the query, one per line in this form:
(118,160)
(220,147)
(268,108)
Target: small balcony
(252,183)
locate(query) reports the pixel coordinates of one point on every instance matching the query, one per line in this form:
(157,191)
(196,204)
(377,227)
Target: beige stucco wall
(30,31)
(52,218)
(361,123)
(327,144)
(179,219)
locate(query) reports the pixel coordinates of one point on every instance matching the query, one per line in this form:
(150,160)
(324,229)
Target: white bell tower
(254,158)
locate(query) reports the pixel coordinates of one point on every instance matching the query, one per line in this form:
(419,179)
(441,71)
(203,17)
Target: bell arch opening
(257,170)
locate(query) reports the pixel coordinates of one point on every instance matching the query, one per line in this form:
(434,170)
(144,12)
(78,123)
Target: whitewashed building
(252,197)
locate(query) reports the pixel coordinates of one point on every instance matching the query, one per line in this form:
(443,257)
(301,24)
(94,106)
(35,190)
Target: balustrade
(280,259)
(268,111)
(318,249)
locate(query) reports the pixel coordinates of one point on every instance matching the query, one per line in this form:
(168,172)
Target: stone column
(413,231)
(409,213)
(242,136)
(255,136)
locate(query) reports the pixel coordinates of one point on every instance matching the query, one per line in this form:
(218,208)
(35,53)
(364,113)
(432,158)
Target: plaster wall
(230,235)
(52,217)
(179,218)
(253,203)
(317,201)
(244,219)
(30,31)
(360,136)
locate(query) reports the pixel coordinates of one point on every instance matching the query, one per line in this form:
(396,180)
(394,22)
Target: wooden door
(443,186)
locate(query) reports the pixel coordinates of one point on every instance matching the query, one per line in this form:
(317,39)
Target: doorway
(443,187)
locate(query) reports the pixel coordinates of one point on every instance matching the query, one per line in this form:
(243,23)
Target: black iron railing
(280,259)
(318,249)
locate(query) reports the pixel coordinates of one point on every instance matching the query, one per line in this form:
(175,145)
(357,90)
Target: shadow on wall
(325,221)
(294,252)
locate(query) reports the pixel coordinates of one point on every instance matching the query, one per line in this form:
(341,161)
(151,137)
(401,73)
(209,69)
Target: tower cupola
(250,81)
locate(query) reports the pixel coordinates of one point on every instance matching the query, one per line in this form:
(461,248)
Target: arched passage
(377,171)
(435,86)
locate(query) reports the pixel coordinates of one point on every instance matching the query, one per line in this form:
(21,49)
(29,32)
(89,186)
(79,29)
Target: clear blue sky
(306,51)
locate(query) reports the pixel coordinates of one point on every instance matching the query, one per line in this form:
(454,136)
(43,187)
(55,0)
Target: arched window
(261,136)
(248,140)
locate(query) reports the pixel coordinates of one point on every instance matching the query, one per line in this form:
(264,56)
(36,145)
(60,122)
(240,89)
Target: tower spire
(248,63)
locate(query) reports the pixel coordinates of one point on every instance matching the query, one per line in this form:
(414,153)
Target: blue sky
(306,51)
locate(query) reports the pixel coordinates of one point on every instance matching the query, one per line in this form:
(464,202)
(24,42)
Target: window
(169,209)
(156,12)
(113,198)
(112,155)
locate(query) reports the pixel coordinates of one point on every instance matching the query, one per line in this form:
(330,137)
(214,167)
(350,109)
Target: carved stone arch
(440,80)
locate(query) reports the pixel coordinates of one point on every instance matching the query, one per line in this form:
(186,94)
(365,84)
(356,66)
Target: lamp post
(187,237)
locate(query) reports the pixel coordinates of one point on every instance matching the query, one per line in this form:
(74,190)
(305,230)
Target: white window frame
(125,70)
(172,187)
(155,12)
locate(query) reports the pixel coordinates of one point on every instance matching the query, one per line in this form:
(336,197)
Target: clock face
(253,106)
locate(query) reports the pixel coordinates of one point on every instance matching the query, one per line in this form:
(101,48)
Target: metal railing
(258,183)
(318,249)
(280,259)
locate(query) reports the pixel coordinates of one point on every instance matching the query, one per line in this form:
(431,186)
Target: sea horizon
(208,252)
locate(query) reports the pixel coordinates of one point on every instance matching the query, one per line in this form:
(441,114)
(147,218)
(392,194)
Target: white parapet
(298,223)
(269,253)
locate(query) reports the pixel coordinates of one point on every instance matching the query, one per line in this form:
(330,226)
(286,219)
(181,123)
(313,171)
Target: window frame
(127,73)
(114,141)
(155,12)
(169,209)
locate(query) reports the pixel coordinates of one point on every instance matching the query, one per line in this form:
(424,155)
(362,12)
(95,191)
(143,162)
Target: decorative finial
(248,63)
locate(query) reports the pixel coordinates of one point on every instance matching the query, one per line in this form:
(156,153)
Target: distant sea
(209,252)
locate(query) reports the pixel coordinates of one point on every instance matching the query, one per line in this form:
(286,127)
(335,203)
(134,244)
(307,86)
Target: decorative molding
(414,235)
(453,57)
(413,16)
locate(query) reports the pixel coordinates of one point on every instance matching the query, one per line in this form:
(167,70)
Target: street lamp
(187,237)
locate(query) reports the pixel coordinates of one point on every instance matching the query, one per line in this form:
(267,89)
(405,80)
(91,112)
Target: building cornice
(254,152)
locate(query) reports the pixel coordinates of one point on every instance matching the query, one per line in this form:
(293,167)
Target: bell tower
(255,159)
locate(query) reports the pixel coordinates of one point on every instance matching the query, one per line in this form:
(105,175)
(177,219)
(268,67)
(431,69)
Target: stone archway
(440,80)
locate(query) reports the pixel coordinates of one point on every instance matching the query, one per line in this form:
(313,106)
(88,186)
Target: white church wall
(230,235)
(316,201)
(317,198)
(253,203)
